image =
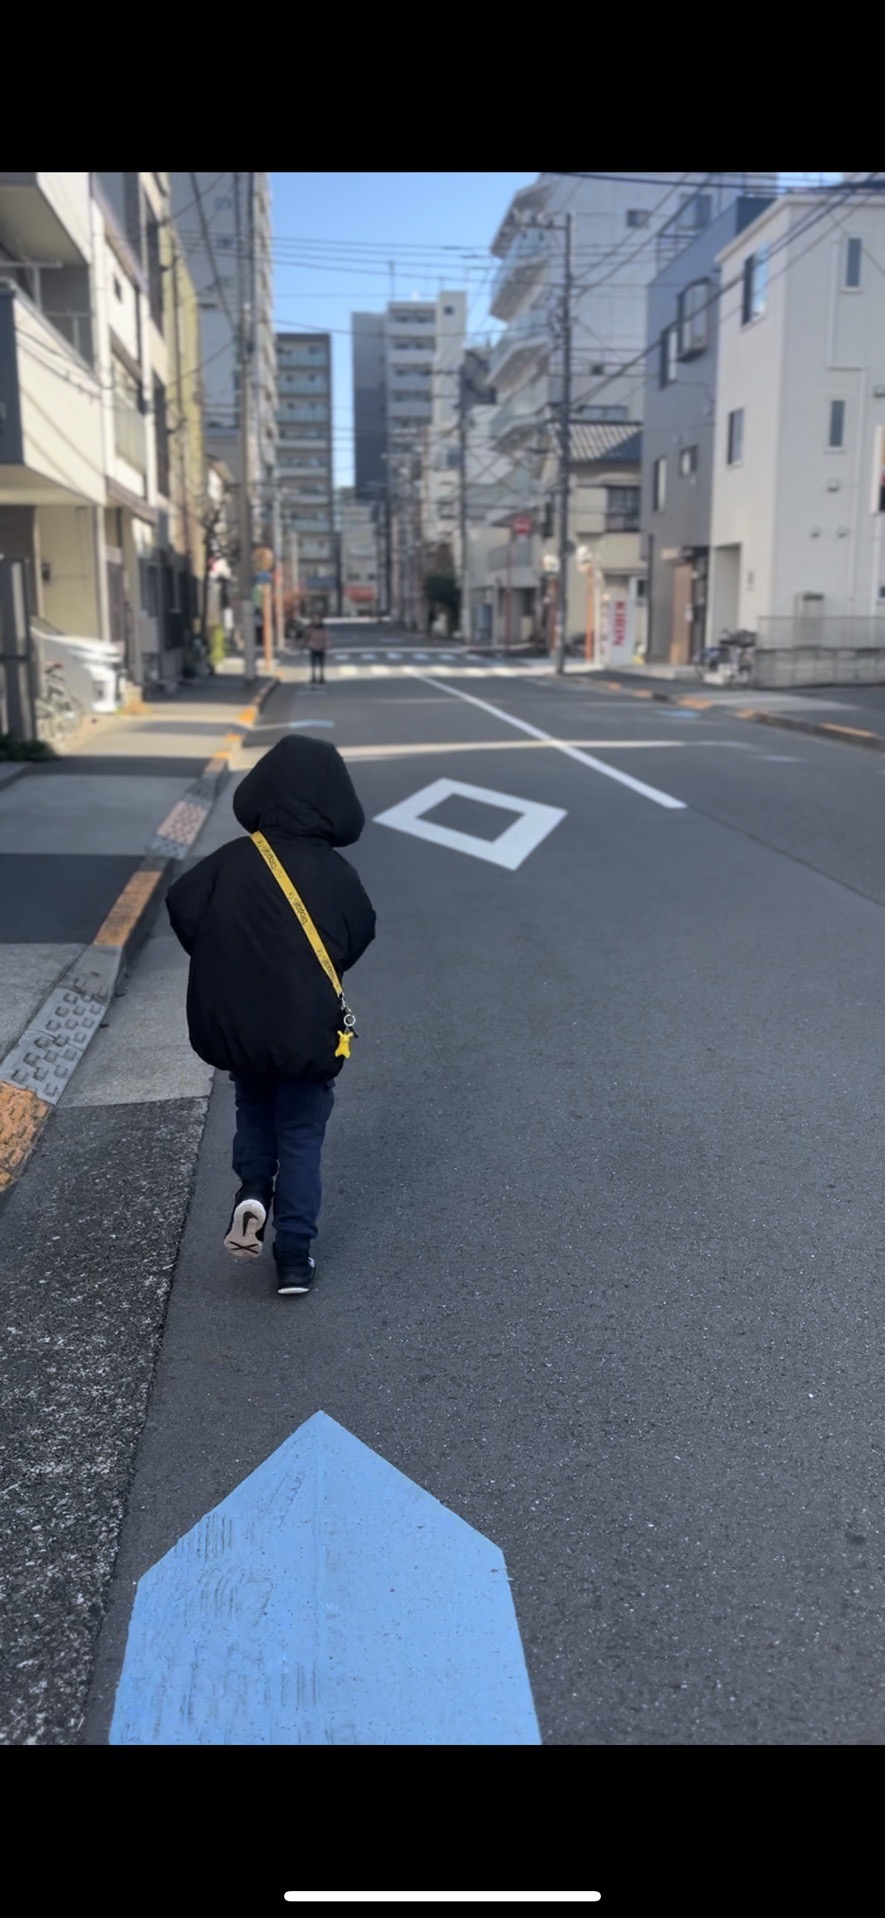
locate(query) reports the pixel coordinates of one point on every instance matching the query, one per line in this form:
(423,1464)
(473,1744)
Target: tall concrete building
(394,355)
(224,223)
(404,360)
(305,464)
(616,250)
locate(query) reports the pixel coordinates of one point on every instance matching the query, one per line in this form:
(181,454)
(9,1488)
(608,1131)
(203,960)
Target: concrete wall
(67,536)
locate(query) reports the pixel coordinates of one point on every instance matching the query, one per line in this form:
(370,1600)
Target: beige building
(52,466)
(606,577)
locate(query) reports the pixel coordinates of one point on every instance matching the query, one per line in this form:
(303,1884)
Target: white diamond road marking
(512,846)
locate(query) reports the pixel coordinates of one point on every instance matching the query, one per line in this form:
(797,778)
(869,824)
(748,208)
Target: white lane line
(571,752)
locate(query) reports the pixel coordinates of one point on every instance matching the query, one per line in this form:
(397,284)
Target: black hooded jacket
(258,1001)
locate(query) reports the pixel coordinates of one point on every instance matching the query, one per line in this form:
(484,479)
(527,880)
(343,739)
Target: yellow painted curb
(248,716)
(857,732)
(125,913)
(22,1118)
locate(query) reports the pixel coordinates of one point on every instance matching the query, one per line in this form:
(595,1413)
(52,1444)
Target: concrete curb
(818,729)
(38,1069)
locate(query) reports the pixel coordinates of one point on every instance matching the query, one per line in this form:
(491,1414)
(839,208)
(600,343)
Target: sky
(346,242)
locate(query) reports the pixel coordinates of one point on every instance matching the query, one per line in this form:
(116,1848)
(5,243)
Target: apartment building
(682,344)
(305,470)
(799,445)
(52,444)
(442,463)
(224,223)
(615,230)
(359,572)
(86,488)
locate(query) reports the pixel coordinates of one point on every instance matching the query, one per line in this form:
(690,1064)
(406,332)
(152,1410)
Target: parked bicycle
(730,660)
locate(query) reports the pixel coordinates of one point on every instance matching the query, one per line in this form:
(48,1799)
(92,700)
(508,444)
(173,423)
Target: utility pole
(565,449)
(278,564)
(247,607)
(181,425)
(462,504)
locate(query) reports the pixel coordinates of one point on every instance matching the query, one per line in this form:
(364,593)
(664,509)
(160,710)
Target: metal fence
(830,651)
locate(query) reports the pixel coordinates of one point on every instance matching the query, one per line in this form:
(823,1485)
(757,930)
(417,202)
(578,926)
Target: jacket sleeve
(359,919)
(187,900)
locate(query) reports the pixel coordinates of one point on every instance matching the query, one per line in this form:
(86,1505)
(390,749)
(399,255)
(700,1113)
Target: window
(853,257)
(755,283)
(638,216)
(735,437)
(659,484)
(622,509)
(688,462)
(692,319)
(836,441)
(155,276)
(161,432)
(667,368)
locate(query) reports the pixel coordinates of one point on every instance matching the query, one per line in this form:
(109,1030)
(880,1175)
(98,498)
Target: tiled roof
(602,439)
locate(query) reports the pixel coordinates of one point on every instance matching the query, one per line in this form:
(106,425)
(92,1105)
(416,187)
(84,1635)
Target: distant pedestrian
(318,646)
(269,939)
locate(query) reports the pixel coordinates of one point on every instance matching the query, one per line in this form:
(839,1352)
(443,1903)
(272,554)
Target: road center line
(571,752)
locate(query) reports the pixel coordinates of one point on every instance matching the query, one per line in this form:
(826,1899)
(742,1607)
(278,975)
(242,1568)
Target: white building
(52,466)
(358,537)
(799,452)
(224,223)
(615,224)
(305,466)
(443,451)
(85,487)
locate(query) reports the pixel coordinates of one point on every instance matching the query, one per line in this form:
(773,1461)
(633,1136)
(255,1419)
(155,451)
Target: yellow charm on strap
(345,1041)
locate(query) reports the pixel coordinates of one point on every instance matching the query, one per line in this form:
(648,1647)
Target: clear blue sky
(344,242)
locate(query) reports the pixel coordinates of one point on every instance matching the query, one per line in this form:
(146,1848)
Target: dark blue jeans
(278,1148)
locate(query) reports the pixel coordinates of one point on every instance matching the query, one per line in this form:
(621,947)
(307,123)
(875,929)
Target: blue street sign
(328,1600)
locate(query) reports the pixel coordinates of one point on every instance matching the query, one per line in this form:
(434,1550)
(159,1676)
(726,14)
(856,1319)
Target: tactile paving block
(53,1044)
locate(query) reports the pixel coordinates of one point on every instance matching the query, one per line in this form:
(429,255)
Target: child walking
(260,1005)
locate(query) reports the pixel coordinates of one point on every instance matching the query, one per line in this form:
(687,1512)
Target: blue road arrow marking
(328,1600)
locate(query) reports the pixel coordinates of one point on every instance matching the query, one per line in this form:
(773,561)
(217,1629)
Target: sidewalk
(852,715)
(88,845)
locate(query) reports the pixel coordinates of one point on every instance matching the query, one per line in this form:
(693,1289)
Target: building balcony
(51,448)
(513,423)
(513,565)
(46,216)
(524,344)
(521,268)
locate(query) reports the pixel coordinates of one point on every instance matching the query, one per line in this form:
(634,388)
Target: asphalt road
(601,1249)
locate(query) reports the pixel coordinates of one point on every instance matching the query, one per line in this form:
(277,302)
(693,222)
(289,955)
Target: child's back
(259,1004)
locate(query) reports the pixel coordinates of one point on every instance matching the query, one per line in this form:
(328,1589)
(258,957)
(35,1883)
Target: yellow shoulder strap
(299,908)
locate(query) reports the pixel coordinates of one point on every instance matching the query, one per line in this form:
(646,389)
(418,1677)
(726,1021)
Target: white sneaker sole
(250,1218)
(294,1287)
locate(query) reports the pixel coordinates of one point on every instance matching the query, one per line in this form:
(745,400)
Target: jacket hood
(301,787)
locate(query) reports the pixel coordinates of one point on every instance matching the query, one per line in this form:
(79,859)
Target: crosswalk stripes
(360,665)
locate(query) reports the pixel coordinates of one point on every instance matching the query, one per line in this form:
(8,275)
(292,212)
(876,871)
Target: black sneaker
(245,1234)
(295,1273)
